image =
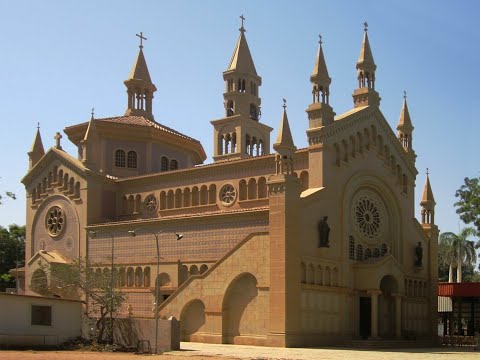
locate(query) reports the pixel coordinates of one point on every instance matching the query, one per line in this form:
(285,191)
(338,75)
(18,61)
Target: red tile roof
(143,121)
(459,289)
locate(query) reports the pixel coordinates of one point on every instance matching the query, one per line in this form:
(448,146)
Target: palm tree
(458,249)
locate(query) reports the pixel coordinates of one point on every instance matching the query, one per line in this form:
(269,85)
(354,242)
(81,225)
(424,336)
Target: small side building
(33,320)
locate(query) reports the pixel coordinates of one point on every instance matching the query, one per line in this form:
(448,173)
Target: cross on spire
(242,29)
(284,103)
(427,171)
(57,138)
(38,126)
(141,39)
(320,40)
(365,26)
(93,113)
(404,94)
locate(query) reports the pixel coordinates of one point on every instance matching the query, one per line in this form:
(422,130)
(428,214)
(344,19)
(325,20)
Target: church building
(281,246)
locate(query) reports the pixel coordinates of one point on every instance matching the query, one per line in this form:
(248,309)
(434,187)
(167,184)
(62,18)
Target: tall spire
(366,94)
(240,134)
(139,85)
(428,203)
(405,127)
(284,145)
(320,113)
(37,151)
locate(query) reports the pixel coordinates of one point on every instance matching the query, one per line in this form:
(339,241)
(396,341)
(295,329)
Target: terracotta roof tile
(142,121)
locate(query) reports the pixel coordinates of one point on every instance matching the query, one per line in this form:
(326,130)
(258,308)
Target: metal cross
(427,171)
(320,41)
(38,126)
(242,29)
(93,112)
(284,103)
(365,24)
(141,39)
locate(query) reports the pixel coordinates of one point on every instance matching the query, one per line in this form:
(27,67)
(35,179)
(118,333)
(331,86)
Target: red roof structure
(459,289)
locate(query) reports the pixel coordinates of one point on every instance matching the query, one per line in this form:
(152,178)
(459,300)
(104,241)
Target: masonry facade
(290,247)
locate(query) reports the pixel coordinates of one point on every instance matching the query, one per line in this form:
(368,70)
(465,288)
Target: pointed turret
(140,88)
(240,134)
(320,113)
(37,151)
(365,94)
(284,145)
(89,144)
(428,203)
(242,81)
(405,128)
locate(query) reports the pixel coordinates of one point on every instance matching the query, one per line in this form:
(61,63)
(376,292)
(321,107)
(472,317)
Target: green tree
(457,249)
(12,250)
(468,205)
(80,278)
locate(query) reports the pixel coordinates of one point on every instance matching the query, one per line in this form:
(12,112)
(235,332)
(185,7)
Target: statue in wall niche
(418,254)
(129,310)
(323,232)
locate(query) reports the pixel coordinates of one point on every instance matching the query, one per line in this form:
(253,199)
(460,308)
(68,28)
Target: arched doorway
(386,307)
(240,309)
(192,318)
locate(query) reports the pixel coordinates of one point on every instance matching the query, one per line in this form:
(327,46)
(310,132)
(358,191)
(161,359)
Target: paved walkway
(261,353)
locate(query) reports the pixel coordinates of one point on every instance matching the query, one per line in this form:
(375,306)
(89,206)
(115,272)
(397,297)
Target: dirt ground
(78,355)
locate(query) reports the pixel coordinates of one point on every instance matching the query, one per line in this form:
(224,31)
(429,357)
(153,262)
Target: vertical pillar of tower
(374,313)
(284,323)
(398,315)
(432,233)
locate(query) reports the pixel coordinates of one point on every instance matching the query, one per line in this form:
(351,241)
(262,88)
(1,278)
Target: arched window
(383,249)
(173,165)
(164,164)
(132,160)
(368,254)
(359,253)
(376,253)
(120,158)
(253,112)
(351,248)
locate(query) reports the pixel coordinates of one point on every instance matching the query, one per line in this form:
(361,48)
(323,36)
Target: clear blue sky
(58,59)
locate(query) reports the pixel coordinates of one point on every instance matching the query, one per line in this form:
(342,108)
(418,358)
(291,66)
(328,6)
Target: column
(374,313)
(398,315)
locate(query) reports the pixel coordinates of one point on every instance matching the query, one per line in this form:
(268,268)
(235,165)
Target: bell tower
(240,134)
(140,88)
(366,94)
(405,129)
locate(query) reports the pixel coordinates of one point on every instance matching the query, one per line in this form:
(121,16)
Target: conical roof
(366,58)
(427,196)
(37,146)
(404,122)
(241,60)
(320,69)
(284,136)
(140,69)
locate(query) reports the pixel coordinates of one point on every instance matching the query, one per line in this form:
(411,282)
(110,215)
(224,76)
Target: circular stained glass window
(55,221)
(369,216)
(228,194)
(151,203)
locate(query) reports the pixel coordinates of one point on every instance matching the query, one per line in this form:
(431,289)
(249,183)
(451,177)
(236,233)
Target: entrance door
(365,317)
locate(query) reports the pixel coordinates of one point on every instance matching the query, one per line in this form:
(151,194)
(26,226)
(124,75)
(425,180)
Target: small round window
(151,203)
(228,194)
(55,221)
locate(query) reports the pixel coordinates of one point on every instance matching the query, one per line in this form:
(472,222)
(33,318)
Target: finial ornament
(365,26)
(320,40)
(284,103)
(38,126)
(57,138)
(141,39)
(93,113)
(242,29)
(404,94)
(427,171)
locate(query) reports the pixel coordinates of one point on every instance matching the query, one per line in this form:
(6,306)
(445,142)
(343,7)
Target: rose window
(55,221)
(368,216)
(228,194)
(151,203)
